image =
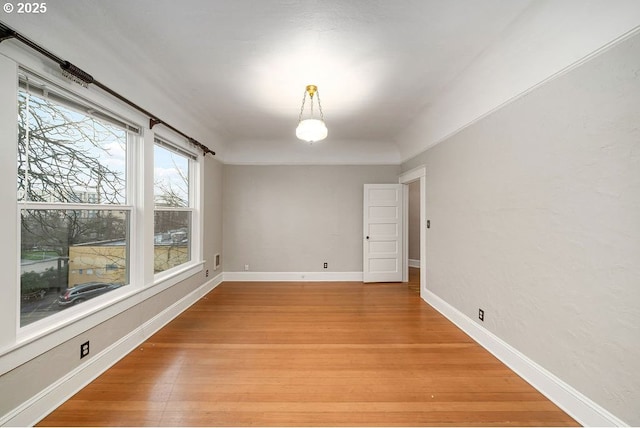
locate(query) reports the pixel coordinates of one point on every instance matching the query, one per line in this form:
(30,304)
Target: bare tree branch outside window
(67,155)
(172,223)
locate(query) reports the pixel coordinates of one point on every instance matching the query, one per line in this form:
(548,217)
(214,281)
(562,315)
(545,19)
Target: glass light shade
(311,130)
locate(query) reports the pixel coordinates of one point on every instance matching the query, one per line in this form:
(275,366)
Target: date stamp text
(25,8)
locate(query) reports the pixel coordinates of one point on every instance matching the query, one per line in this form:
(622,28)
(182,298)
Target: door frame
(417,174)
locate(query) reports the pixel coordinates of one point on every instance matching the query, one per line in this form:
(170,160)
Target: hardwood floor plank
(302,354)
(360,406)
(358,418)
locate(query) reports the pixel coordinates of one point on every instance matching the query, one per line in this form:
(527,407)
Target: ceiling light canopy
(312,128)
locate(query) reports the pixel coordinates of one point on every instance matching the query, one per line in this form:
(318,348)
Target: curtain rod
(82,77)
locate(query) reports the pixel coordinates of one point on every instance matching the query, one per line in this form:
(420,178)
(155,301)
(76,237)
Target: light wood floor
(309,354)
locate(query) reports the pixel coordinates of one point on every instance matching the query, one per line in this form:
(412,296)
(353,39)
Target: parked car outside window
(86,291)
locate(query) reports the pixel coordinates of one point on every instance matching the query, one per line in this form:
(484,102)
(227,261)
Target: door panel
(382,247)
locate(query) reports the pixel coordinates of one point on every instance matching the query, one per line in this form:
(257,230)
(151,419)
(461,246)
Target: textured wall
(8,136)
(212,238)
(545,39)
(535,217)
(294,218)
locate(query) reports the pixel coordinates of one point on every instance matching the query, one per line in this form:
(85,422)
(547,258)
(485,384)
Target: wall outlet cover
(84,349)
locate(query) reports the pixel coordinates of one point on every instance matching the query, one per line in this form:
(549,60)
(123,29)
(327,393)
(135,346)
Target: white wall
(212,211)
(8,90)
(535,214)
(295,218)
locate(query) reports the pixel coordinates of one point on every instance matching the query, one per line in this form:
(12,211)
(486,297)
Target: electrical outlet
(84,349)
(206,273)
(326,265)
(246,267)
(481,315)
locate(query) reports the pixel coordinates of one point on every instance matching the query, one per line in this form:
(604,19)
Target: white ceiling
(376,63)
(239,67)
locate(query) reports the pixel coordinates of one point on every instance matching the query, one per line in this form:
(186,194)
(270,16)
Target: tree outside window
(173,207)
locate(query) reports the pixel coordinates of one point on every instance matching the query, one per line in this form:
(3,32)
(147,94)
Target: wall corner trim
(579,407)
(35,409)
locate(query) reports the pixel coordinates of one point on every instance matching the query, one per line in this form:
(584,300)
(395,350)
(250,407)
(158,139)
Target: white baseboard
(39,406)
(414,263)
(293,276)
(579,407)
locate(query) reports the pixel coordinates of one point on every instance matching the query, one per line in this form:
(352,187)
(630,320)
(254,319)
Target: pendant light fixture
(311,129)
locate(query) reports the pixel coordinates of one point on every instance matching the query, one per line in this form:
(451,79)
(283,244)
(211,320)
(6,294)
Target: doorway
(414,236)
(417,176)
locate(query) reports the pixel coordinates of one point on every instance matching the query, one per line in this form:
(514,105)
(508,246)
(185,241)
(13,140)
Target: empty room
(320,213)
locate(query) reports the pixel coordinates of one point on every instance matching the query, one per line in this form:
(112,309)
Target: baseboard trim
(414,263)
(40,405)
(579,407)
(293,276)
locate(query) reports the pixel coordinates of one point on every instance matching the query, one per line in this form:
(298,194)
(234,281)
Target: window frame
(134,137)
(20,345)
(194,205)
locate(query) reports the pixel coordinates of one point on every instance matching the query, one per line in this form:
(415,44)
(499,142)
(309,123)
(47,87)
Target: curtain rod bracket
(76,73)
(205,149)
(153,122)
(6,33)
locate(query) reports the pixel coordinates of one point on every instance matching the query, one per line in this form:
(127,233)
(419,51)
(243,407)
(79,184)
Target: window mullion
(177,209)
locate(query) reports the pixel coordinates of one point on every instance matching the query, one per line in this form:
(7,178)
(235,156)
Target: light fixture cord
(320,106)
(304,97)
(311,107)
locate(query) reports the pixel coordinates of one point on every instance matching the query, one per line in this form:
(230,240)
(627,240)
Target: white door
(382,235)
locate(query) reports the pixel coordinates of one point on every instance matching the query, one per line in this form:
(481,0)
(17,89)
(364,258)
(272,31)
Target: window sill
(41,337)
(177,274)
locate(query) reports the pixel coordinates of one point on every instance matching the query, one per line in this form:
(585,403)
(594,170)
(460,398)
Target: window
(174,205)
(72,190)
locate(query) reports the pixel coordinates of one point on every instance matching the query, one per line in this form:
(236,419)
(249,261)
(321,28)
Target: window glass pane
(70,256)
(68,156)
(171,178)
(171,239)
